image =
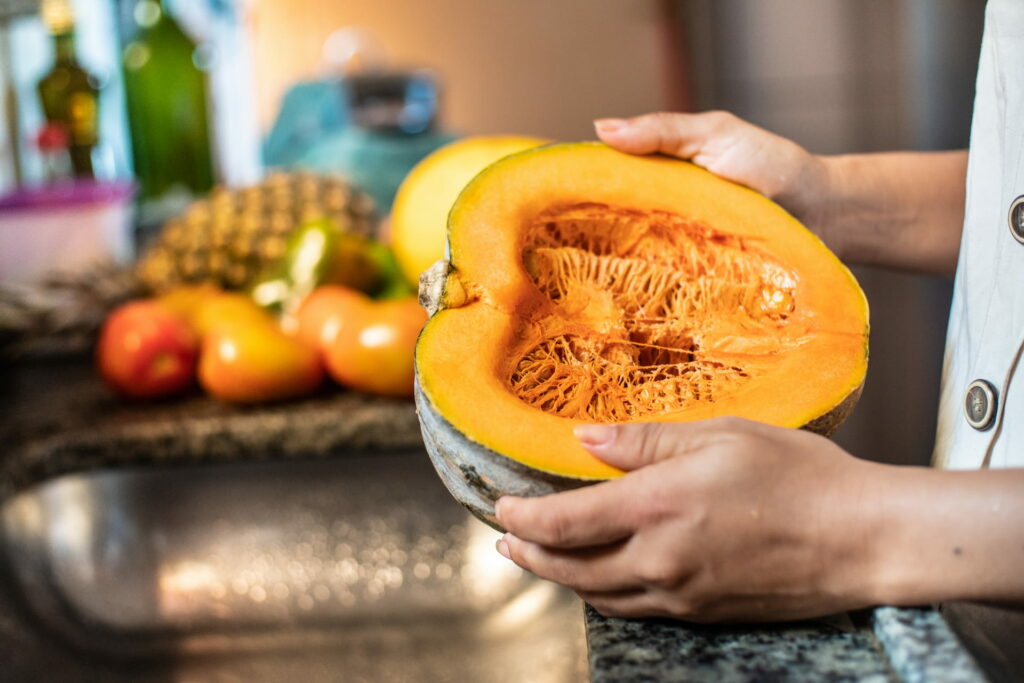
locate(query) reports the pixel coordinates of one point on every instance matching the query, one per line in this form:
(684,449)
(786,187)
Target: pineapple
(230,238)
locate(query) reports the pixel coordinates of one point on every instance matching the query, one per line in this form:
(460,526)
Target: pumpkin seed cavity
(664,312)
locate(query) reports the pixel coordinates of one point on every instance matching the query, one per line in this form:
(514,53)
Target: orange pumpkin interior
(591,286)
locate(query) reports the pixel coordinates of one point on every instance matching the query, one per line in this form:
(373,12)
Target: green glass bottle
(167,105)
(68,93)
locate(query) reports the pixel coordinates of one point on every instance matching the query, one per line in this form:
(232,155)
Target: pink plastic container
(64,228)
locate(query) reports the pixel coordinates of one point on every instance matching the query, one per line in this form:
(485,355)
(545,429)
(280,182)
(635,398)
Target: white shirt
(986,326)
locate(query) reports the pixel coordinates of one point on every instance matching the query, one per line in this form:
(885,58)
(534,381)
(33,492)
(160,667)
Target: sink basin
(360,568)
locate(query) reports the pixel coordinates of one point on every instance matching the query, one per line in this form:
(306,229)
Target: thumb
(631,446)
(679,135)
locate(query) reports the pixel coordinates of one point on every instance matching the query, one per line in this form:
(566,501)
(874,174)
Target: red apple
(145,351)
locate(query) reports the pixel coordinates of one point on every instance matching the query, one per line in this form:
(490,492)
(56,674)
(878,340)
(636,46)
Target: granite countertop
(883,645)
(58,418)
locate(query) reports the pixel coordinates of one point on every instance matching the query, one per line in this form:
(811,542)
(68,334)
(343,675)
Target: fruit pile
(251,289)
(241,353)
(260,292)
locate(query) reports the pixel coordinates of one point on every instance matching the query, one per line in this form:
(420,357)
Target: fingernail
(609,125)
(594,435)
(502,547)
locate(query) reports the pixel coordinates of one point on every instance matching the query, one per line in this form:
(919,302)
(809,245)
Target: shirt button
(980,404)
(1016,218)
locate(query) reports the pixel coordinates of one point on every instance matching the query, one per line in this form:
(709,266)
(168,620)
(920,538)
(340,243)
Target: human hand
(723,519)
(739,151)
(900,210)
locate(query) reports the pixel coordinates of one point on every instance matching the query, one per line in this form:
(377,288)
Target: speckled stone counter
(887,644)
(58,417)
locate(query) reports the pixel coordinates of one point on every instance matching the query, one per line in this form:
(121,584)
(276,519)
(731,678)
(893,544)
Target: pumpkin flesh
(590,286)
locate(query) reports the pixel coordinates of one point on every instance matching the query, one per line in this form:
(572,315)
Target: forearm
(900,210)
(949,535)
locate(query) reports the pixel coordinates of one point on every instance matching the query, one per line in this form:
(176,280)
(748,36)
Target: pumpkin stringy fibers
(648,287)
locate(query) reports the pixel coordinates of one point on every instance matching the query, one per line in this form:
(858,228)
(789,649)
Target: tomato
(145,351)
(254,361)
(328,312)
(374,353)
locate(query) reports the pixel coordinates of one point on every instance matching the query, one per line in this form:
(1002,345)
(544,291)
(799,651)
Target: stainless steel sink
(360,568)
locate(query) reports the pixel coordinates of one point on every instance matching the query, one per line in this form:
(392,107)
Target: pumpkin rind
(580,292)
(474,474)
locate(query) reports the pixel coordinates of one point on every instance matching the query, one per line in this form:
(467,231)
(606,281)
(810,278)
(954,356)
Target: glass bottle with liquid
(166,90)
(68,93)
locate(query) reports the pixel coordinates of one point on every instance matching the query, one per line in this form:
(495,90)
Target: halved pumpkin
(588,286)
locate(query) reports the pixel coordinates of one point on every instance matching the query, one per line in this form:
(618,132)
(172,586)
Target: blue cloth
(309,112)
(375,161)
